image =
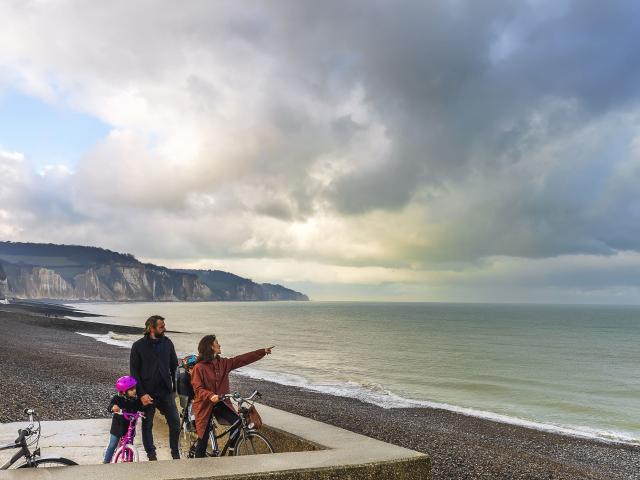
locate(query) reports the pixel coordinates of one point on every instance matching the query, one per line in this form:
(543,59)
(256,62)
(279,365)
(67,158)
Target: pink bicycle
(126,451)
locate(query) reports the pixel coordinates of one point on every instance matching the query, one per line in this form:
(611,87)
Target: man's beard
(159,334)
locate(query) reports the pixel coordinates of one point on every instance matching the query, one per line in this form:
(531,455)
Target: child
(185,390)
(125,401)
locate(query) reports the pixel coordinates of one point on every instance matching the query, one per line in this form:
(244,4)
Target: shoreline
(44,308)
(461,446)
(65,375)
(566,431)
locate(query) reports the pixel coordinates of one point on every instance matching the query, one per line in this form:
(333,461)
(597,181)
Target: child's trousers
(113,443)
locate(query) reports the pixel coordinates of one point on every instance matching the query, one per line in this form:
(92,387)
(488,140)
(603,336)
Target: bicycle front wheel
(253,443)
(126,454)
(49,463)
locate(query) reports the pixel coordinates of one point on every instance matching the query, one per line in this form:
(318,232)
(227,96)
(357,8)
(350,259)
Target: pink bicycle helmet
(125,383)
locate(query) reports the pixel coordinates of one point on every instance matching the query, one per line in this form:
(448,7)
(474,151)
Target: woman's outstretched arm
(247,358)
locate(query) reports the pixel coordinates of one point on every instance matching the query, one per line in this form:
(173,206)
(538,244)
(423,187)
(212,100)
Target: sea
(568,369)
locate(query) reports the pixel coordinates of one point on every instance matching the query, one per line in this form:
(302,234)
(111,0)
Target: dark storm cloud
(472,88)
(428,72)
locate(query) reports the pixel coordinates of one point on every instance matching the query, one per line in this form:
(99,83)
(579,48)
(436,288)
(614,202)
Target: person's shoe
(175,456)
(152,457)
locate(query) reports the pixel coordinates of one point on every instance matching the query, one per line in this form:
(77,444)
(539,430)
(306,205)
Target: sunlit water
(564,368)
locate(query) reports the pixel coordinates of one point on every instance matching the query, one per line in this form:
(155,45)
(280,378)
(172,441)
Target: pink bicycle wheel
(117,457)
(120,456)
(124,455)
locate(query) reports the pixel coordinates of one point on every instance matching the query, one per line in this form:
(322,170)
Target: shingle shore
(64,376)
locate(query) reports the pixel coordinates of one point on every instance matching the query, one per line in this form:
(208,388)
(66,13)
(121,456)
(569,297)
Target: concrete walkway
(341,454)
(83,441)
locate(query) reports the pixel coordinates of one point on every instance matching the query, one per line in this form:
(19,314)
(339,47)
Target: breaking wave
(376,394)
(110,338)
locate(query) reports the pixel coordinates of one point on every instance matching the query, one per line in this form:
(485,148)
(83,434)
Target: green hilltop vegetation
(73,272)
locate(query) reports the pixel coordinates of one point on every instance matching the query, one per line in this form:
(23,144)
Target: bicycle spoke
(253,443)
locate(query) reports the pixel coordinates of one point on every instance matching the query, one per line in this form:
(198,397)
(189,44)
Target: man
(153,364)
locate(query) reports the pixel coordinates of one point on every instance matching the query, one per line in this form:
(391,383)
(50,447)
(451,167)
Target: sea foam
(110,338)
(378,395)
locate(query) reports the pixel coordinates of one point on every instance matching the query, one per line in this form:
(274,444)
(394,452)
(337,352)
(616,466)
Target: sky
(451,150)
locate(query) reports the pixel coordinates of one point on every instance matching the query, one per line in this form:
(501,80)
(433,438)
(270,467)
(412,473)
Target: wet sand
(65,375)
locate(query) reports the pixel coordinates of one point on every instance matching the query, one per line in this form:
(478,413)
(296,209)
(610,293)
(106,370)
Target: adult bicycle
(188,435)
(24,441)
(241,436)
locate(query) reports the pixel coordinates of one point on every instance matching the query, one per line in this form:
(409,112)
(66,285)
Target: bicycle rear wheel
(187,444)
(253,443)
(49,463)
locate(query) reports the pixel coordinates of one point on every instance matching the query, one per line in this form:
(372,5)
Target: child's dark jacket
(119,425)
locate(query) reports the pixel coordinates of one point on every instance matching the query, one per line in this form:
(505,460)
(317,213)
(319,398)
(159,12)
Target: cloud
(370,139)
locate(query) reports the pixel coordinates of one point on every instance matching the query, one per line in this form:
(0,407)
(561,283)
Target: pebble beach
(47,366)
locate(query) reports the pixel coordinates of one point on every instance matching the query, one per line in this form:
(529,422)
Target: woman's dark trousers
(225,416)
(166,403)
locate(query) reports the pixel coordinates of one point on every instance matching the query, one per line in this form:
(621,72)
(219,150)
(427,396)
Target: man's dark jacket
(153,366)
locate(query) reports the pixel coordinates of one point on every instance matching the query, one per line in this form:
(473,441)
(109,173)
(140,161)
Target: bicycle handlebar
(238,398)
(129,416)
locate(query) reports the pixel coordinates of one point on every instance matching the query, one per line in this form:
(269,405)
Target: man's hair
(152,322)
(205,353)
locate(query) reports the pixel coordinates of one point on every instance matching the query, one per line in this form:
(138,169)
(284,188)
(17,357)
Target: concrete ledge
(283,441)
(284,466)
(331,453)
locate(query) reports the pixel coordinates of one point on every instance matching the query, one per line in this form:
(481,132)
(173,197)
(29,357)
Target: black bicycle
(241,437)
(32,459)
(188,436)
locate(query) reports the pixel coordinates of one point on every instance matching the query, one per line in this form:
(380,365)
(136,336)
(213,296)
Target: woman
(210,381)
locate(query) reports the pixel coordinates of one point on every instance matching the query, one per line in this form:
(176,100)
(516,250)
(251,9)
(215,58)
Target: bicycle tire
(49,463)
(126,454)
(253,443)
(187,444)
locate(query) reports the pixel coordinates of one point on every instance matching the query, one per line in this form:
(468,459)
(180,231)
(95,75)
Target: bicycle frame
(235,430)
(20,443)
(24,452)
(213,438)
(128,437)
(185,415)
(133,418)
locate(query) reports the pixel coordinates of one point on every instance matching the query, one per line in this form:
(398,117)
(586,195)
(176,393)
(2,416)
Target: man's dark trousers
(153,364)
(166,403)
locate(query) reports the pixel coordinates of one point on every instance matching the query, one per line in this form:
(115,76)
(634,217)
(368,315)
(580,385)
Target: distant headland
(72,272)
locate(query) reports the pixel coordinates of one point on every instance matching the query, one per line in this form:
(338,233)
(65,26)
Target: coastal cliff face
(36,271)
(106,283)
(4,286)
(227,286)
